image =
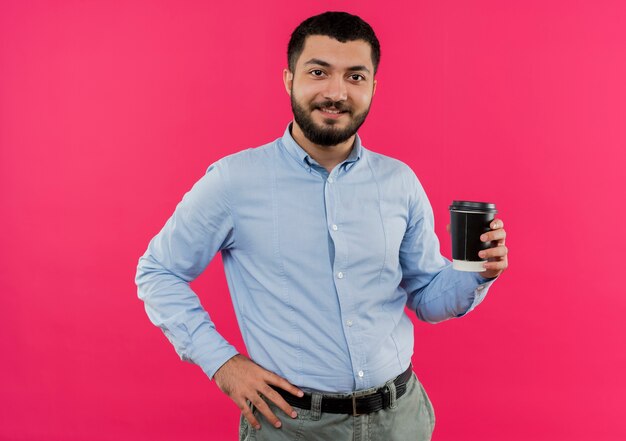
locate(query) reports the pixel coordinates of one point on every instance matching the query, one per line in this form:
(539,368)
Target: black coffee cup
(468,221)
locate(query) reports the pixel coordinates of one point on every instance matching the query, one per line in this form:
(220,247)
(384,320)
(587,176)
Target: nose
(336,89)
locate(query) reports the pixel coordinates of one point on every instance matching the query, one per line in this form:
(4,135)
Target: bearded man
(324,243)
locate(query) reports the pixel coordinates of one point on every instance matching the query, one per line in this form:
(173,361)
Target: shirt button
(340,275)
(349,323)
(480,288)
(334,227)
(330,180)
(360,374)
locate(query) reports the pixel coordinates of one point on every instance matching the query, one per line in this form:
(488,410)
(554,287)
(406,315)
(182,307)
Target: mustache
(339,105)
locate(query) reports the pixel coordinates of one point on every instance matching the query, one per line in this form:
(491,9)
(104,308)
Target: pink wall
(109,111)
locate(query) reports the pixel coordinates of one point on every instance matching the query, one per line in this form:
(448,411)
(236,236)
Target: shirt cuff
(480,291)
(482,279)
(210,351)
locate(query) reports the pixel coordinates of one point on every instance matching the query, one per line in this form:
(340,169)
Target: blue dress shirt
(320,266)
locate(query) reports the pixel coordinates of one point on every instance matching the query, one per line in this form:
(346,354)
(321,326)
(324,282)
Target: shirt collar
(298,153)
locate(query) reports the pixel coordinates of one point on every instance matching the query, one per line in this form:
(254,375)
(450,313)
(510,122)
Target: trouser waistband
(355,405)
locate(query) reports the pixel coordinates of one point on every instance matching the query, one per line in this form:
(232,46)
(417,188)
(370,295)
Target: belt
(373,402)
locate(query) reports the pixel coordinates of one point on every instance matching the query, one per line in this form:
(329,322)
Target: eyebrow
(326,64)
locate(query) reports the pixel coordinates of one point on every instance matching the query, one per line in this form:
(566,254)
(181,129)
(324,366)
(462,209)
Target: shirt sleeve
(201,226)
(436,292)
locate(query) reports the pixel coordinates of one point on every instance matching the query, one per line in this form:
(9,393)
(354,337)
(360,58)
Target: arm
(436,292)
(201,226)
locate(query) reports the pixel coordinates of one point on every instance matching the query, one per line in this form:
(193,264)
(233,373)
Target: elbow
(431,319)
(145,269)
(432,314)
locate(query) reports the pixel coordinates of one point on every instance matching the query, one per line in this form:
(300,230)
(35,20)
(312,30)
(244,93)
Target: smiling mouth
(329,110)
(332,111)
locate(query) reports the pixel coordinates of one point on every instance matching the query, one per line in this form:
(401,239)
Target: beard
(328,135)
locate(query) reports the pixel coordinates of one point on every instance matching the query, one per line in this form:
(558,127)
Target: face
(331,89)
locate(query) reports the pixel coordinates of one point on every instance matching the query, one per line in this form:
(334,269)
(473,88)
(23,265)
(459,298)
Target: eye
(357,77)
(317,72)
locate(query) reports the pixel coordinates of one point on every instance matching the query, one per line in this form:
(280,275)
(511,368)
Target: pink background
(111,110)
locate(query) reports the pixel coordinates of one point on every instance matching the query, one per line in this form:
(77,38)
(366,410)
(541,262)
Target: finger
(496,224)
(499,251)
(496,265)
(448,228)
(279,401)
(265,410)
(283,384)
(493,235)
(248,415)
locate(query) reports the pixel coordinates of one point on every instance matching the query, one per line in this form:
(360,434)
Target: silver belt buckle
(354,412)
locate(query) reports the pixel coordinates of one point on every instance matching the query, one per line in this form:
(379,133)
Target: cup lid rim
(473,205)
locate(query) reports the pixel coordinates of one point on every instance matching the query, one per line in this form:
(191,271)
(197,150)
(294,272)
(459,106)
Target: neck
(326,156)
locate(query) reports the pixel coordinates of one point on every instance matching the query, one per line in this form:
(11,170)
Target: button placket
(339,266)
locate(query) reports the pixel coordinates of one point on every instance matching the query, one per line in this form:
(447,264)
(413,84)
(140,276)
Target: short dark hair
(338,25)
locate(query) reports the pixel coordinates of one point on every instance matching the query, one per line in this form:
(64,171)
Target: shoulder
(386,166)
(242,170)
(246,162)
(250,157)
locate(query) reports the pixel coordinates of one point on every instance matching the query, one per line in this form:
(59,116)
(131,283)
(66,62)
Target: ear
(288,80)
(374,89)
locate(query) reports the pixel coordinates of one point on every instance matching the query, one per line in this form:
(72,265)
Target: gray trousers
(411,417)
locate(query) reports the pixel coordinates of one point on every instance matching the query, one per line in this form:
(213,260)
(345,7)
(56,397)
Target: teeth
(330,111)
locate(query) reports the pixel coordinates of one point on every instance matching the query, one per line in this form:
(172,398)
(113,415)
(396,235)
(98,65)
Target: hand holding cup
(478,238)
(497,259)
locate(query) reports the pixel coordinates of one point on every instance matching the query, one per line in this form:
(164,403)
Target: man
(324,243)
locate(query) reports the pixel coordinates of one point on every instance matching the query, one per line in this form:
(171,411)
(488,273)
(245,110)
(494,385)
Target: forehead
(337,54)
